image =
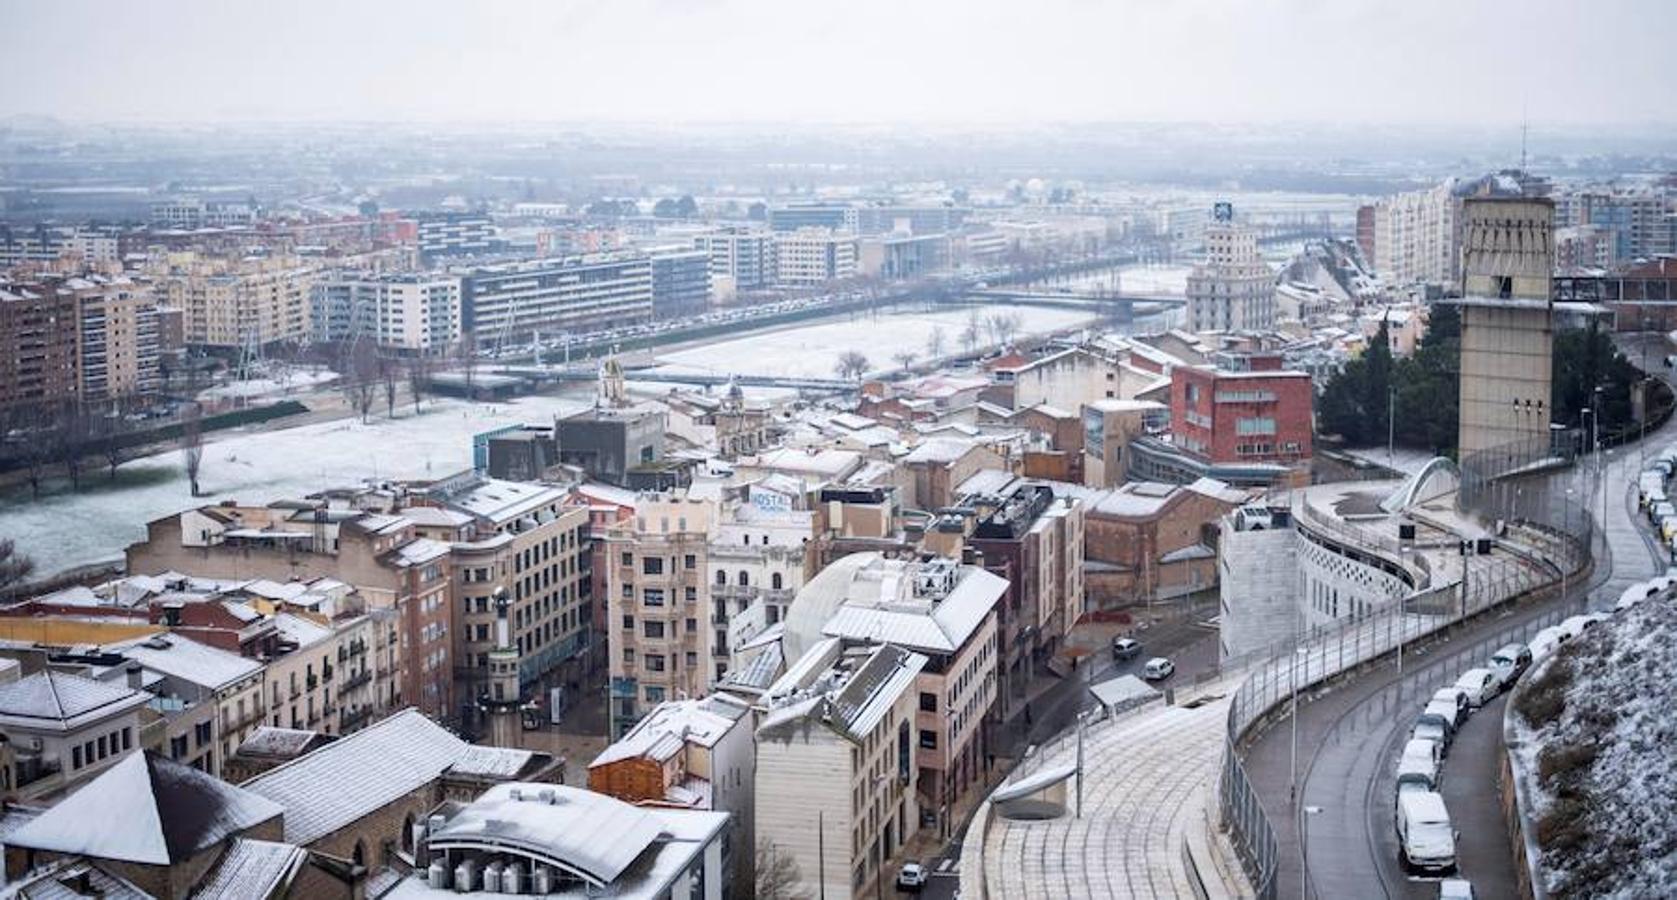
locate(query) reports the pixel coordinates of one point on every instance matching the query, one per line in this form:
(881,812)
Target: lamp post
(1304,849)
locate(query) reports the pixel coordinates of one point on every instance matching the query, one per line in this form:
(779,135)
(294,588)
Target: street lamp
(1304,849)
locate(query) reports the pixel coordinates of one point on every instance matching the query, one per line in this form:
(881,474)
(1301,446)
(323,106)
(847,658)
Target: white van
(1418,767)
(1426,840)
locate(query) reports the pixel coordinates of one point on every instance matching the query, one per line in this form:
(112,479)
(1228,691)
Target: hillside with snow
(1601,737)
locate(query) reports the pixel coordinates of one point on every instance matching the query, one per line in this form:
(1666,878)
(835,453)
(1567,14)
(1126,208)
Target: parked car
(1158,669)
(1426,839)
(1661,511)
(1455,697)
(1480,684)
(1434,725)
(1125,648)
(1455,889)
(1574,626)
(912,877)
(1547,641)
(1418,765)
(1509,663)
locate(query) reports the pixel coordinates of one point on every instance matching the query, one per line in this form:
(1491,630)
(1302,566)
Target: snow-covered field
(298,382)
(811,351)
(1162,280)
(63,529)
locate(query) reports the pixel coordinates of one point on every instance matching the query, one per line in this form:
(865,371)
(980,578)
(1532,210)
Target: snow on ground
(64,529)
(1617,833)
(1150,279)
(298,382)
(811,351)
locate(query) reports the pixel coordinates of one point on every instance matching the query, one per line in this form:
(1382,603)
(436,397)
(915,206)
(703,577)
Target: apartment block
(39,335)
(1263,415)
(108,325)
(741,257)
(229,302)
(414,314)
(62,730)
(455,234)
(680,282)
(516,301)
(811,257)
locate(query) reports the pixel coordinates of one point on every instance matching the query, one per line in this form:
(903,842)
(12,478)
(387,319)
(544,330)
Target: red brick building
(1262,415)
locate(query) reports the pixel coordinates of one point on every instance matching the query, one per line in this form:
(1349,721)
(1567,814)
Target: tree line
(1416,399)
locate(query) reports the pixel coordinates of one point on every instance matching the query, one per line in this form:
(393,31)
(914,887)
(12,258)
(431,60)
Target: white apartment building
(1416,235)
(515,301)
(1233,289)
(758,560)
(232,303)
(741,257)
(810,257)
(411,314)
(836,775)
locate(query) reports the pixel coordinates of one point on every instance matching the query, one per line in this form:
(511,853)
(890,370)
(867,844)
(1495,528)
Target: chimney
(135,671)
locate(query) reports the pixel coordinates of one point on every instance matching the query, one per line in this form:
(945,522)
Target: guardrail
(1324,653)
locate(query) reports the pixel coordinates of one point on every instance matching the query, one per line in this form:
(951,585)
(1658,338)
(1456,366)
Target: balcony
(326,674)
(356,680)
(354,718)
(313,682)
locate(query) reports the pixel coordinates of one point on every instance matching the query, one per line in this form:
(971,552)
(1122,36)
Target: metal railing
(1557,522)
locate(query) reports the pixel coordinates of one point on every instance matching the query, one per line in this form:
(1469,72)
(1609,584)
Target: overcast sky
(927,61)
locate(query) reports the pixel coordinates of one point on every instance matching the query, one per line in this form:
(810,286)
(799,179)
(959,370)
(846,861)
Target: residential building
(1033,537)
(741,258)
(1233,289)
(1146,542)
(1586,247)
(526,543)
(660,642)
(191,214)
(1263,415)
(680,282)
(1641,224)
(233,682)
(1418,235)
(382,556)
(229,302)
(553,840)
(455,234)
(810,257)
(416,314)
(39,336)
(517,301)
(760,555)
(690,754)
(91,338)
(837,777)
(618,444)
(947,613)
(62,730)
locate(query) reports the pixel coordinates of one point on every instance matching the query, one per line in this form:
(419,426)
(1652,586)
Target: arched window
(359,857)
(745,578)
(775,581)
(721,577)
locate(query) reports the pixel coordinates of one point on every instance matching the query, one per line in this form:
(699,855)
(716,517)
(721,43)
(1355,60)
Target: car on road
(1426,840)
(1158,669)
(1418,765)
(1455,889)
(1547,641)
(1125,648)
(1434,725)
(1453,696)
(1480,684)
(1509,663)
(1661,511)
(912,877)
(1574,626)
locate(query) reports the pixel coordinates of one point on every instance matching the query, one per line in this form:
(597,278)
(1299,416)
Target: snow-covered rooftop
(186,659)
(60,701)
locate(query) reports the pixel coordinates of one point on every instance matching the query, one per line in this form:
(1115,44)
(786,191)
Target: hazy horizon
(938,64)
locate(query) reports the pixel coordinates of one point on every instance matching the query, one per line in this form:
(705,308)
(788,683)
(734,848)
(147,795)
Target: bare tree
(35,427)
(936,342)
(419,378)
(111,431)
(465,353)
(72,428)
(192,444)
(851,364)
(973,333)
(905,358)
(389,370)
(15,567)
(1003,326)
(778,877)
(358,377)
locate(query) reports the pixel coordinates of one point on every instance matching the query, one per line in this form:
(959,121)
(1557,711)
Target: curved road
(1349,736)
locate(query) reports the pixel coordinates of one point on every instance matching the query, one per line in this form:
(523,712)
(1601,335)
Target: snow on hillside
(1604,749)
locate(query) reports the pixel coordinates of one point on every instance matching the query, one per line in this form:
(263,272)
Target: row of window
(97,749)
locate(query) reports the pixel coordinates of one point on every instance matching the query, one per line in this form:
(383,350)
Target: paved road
(1349,738)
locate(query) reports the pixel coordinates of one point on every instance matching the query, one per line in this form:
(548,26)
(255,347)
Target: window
(690,594)
(928,739)
(652,596)
(692,659)
(652,565)
(628,656)
(75,757)
(928,702)
(1256,425)
(745,578)
(721,577)
(628,559)
(689,561)
(628,591)
(654,662)
(628,623)
(775,581)
(692,626)
(652,629)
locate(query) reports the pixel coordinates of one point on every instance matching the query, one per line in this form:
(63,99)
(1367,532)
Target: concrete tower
(1508,260)
(501,703)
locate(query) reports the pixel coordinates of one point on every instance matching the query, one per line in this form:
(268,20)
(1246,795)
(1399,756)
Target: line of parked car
(1426,838)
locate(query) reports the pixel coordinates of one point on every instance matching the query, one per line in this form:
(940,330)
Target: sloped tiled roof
(146,809)
(339,783)
(251,869)
(60,701)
